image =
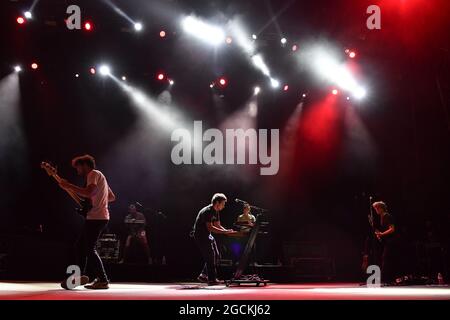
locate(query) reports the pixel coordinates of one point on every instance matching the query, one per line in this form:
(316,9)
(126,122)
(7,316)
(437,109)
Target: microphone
(140,205)
(240,201)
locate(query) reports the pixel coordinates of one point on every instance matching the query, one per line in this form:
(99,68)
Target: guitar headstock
(51,170)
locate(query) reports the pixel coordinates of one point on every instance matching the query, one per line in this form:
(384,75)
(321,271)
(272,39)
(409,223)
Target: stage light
(229,40)
(256,91)
(286,87)
(138,26)
(28,15)
(104,70)
(294,47)
(223,82)
(88,26)
(76,75)
(171,82)
(92,70)
(20,20)
(124,78)
(211,85)
(283,40)
(335,91)
(203,31)
(360,93)
(160,76)
(254,37)
(348,98)
(304,95)
(352,54)
(274,83)
(17,68)
(162,33)
(330,68)
(34,65)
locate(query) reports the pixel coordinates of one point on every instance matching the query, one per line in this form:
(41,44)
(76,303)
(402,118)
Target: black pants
(384,259)
(90,262)
(387,272)
(210,254)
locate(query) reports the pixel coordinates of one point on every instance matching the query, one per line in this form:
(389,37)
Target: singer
(206,223)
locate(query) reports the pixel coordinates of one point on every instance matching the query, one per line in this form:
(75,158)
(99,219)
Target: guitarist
(99,194)
(384,233)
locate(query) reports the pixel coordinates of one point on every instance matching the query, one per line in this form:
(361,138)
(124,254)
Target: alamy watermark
(73,21)
(234,146)
(374,20)
(374,280)
(74,278)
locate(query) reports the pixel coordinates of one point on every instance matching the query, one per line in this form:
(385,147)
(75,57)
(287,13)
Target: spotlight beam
(274,17)
(247,45)
(136,25)
(328,67)
(147,105)
(203,31)
(35,2)
(12,139)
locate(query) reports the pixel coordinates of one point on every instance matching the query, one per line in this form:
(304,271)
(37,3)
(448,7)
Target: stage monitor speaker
(108,248)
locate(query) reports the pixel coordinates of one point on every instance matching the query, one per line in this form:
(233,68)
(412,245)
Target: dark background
(402,157)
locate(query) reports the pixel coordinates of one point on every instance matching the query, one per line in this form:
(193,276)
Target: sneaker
(82,280)
(98,285)
(202,278)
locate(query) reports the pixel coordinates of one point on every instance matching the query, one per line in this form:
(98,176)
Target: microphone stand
(150,210)
(261,210)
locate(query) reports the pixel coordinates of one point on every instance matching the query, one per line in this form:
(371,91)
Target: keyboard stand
(238,277)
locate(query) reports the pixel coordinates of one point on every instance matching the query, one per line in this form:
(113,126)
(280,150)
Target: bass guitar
(83,204)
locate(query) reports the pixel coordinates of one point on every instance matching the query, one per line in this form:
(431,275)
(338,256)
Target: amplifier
(108,248)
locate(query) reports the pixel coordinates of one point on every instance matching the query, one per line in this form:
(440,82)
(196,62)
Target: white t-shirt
(99,199)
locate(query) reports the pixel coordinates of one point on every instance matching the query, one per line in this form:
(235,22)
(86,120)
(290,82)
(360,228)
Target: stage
(193,291)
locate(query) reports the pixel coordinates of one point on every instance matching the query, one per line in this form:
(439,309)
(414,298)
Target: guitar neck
(56,177)
(72,194)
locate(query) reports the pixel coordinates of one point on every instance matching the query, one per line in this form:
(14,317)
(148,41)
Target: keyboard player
(246,220)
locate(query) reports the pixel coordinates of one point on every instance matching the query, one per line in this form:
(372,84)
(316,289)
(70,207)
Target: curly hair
(85,159)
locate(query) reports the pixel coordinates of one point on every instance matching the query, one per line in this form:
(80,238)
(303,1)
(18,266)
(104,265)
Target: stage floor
(192,291)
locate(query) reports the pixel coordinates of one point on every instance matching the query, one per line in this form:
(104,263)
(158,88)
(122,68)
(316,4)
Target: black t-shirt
(207,214)
(386,221)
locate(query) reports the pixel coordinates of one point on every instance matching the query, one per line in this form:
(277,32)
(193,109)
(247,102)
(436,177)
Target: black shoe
(98,285)
(215,282)
(202,278)
(82,281)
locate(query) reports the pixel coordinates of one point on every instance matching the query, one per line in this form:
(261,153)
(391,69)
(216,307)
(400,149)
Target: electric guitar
(84,205)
